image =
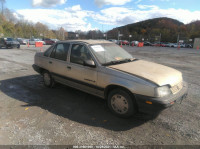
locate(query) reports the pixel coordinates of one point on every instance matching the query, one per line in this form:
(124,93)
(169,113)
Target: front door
(84,77)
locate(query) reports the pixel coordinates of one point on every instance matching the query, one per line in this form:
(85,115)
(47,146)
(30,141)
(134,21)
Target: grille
(175,89)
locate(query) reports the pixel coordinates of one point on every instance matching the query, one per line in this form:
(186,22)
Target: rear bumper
(152,104)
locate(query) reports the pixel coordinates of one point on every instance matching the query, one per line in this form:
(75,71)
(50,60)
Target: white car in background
(135,43)
(174,45)
(55,40)
(32,41)
(113,40)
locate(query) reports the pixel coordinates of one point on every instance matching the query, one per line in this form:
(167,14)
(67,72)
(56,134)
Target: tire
(47,79)
(18,46)
(121,103)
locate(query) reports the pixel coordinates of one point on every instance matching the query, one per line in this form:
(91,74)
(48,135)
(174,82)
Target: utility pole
(178,39)
(130,36)
(118,35)
(160,37)
(2,6)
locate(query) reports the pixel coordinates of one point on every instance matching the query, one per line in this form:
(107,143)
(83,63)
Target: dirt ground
(31,114)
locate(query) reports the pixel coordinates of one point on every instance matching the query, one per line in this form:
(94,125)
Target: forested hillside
(167,28)
(12,27)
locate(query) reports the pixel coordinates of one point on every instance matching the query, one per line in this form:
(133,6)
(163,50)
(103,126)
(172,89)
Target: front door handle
(50,62)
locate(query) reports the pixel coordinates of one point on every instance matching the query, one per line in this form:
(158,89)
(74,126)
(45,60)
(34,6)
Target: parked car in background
(22,41)
(182,45)
(119,42)
(32,41)
(9,43)
(113,40)
(27,40)
(173,45)
(106,70)
(146,43)
(125,42)
(55,40)
(188,46)
(166,44)
(48,41)
(135,43)
(158,44)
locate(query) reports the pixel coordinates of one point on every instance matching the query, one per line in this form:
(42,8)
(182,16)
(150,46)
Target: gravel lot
(31,114)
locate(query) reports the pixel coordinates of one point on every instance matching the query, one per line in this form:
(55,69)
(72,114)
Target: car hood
(156,73)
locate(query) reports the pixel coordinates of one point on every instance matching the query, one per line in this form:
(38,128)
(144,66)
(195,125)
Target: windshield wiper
(119,61)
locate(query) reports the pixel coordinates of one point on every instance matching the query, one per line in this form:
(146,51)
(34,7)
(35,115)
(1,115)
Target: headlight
(162,91)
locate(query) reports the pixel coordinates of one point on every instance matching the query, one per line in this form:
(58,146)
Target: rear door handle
(68,67)
(50,62)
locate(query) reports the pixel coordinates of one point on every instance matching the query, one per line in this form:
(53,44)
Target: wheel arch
(114,86)
(41,70)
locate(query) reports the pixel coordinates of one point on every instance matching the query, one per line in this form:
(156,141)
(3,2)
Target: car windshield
(110,54)
(9,39)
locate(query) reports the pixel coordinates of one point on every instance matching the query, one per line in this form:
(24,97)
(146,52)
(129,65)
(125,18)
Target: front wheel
(47,79)
(121,103)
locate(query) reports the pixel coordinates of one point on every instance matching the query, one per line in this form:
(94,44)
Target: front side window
(9,39)
(60,51)
(79,53)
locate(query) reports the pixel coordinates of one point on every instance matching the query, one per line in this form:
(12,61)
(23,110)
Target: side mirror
(89,63)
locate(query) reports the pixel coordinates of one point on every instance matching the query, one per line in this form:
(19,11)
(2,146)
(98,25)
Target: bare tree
(8,14)
(2,6)
(41,29)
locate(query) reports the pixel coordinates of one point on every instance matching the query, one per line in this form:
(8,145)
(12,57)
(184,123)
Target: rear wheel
(18,46)
(121,103)
(47,79)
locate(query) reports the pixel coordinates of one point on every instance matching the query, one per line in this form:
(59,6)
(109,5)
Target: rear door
(57,61)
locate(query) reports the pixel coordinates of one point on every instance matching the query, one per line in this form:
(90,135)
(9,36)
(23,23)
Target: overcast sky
(102,14)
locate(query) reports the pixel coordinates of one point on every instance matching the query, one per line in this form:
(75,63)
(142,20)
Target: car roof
(85,41)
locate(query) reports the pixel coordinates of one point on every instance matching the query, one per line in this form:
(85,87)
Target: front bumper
(152,104)
(12,45)
(36,68)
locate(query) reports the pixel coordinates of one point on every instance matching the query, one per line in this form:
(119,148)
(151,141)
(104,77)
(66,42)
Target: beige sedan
(104,69)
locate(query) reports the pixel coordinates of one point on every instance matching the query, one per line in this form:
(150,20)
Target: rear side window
(60,51)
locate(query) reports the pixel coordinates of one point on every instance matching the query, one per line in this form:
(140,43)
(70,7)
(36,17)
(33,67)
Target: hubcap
(47,79)
(119,104)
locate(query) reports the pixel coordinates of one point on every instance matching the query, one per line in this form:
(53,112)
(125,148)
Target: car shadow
(3,48)
(68,103)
